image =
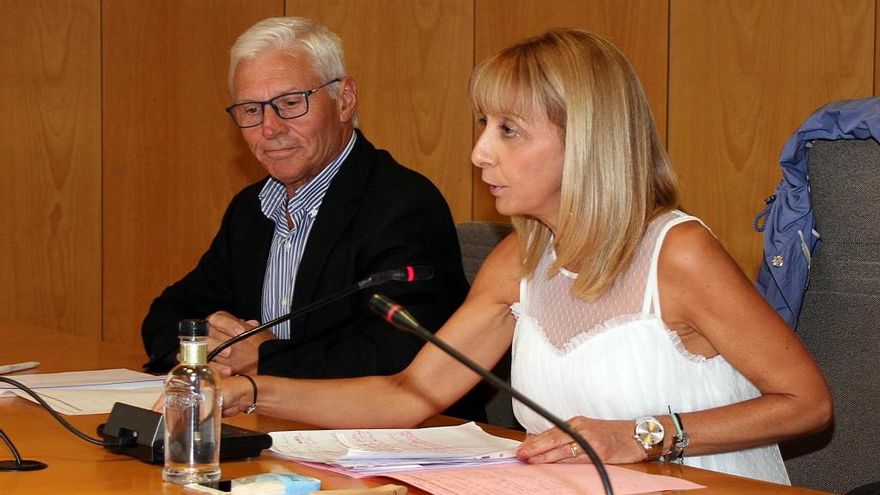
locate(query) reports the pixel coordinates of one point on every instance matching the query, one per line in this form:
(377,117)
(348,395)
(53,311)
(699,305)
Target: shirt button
(287,246)
(284,302)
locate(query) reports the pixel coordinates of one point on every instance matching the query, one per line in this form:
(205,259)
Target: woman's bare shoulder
(498,277)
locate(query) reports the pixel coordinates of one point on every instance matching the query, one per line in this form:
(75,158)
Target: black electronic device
(147,429)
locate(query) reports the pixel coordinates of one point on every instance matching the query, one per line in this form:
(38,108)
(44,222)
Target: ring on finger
(574,449)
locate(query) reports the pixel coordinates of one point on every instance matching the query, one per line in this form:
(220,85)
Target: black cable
(119,443)
(12,448)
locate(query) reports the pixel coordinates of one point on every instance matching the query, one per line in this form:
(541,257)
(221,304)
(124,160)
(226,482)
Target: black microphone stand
(395,314)
(20,464)
(281,319)
(406,274)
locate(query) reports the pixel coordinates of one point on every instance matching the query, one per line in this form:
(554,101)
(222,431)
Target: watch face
(649,431)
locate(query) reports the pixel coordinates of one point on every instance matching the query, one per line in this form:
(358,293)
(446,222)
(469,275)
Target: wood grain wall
(118,159)
(743,75)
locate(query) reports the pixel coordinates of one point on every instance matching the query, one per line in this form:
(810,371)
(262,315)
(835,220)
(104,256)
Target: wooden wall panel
(411,60)
(119,160)
(638,27)
(50,250)
(876,48)
(744,74)
(172,157)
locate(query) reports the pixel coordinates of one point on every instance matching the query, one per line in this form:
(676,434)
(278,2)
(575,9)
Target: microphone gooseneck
(405,274)
(18,464)
(396,315)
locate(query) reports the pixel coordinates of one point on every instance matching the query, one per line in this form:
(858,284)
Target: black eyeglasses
(286,106)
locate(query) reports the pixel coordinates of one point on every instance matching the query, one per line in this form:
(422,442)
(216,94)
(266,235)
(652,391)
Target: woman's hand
(612,440)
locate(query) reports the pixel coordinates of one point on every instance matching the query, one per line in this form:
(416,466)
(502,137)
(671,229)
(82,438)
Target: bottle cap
(192,328)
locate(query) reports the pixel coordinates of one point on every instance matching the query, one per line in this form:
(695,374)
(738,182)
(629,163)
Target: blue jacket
(790,236)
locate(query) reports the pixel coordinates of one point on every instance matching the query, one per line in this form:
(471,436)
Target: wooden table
(77,467)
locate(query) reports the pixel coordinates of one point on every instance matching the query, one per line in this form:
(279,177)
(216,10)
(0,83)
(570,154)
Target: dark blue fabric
(789,229)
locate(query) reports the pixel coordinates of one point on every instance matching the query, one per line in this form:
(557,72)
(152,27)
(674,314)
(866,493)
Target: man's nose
(272,123)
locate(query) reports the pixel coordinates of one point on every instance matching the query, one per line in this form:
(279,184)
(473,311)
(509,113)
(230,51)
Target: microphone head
(383,307)
(405,274)
(413,273)
(394,313)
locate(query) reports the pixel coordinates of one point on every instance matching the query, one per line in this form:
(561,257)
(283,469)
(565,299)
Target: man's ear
(346,99)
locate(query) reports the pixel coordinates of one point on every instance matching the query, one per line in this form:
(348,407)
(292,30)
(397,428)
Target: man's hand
(241,357)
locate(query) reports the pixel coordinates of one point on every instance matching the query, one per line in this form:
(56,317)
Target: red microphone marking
(410,273)
(389,316)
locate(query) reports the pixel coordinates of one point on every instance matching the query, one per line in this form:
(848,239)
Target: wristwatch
(649,434)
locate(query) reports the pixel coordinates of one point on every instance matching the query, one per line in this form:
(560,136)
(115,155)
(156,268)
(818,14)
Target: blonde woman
(624,314)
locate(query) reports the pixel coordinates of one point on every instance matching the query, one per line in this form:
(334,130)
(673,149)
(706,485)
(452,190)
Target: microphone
(405,274)
(402,319)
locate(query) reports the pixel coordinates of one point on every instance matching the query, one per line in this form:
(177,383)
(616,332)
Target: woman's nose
(481,156)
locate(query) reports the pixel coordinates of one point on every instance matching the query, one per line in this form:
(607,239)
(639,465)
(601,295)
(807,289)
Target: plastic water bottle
(193,407)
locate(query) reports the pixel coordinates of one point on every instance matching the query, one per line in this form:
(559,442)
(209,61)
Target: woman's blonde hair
(616,175)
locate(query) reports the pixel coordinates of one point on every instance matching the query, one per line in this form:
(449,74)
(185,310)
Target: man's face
(294,150)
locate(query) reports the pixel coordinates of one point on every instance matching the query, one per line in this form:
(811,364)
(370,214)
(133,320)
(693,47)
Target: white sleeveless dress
(614,358)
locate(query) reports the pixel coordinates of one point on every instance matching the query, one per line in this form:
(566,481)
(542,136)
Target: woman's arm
(482,328)
(703,290)
(714,308)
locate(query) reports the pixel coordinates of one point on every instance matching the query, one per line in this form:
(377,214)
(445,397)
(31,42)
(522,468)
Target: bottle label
(194,353)
(183,400)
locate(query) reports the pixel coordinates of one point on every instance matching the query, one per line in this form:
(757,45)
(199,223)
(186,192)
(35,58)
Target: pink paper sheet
(538,479)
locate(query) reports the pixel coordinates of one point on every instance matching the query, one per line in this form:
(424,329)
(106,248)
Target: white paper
(395,449)
(96,379)
(95,401)
(89,392)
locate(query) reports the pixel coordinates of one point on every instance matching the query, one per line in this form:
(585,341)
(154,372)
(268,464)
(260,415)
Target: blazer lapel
(337,210)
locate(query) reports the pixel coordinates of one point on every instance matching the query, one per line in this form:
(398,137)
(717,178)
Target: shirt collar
(308,198)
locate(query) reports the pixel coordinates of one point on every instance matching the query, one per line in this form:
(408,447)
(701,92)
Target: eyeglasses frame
(305,94)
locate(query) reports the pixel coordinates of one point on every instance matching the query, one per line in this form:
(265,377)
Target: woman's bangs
(504,86)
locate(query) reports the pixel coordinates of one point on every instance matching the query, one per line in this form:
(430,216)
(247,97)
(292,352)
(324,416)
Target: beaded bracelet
(680,441)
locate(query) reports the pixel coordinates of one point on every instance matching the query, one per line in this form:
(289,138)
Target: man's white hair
(294,35)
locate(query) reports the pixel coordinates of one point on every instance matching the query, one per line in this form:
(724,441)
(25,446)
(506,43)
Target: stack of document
(90,392)
(376,452)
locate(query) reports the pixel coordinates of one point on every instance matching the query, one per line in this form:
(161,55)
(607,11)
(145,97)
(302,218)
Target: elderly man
(333,210)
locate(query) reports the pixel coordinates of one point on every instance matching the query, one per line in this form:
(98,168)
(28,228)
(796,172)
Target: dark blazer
(376,215)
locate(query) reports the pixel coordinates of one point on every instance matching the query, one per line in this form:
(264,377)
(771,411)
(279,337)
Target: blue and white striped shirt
(288,243)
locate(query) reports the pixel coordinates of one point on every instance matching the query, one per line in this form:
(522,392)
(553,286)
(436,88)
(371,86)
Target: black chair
(477,240)
(840,317)
(869,489)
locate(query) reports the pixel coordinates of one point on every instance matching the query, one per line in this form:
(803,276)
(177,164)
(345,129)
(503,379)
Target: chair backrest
(477,240)
(840,315)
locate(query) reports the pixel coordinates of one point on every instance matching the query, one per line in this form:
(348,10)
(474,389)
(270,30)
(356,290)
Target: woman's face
(521,160)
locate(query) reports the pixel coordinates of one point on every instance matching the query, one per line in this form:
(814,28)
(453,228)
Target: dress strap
(651,301)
